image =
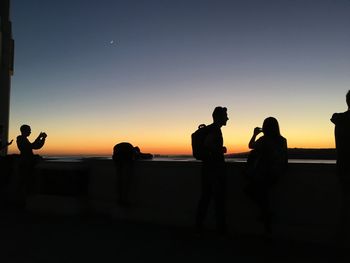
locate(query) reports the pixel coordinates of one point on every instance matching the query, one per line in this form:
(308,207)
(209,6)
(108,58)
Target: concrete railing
(306,201)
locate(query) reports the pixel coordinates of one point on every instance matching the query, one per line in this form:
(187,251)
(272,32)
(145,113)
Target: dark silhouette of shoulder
(342,118)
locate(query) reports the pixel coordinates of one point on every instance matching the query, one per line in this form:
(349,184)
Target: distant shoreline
(300,153)
(293,154)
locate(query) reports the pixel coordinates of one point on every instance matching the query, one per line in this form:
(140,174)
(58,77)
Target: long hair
(271,127)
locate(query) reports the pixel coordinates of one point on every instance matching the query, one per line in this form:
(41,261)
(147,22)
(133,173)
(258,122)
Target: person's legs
(344,225)
(220,203)
(203,204)
(265,206)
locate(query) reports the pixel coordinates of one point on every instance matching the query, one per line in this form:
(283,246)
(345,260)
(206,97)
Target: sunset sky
(94,73)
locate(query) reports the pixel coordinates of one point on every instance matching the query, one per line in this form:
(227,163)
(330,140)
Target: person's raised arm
(251,144)
(5,145)
(40,141)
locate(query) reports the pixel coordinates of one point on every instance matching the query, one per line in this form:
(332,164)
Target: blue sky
(92,74)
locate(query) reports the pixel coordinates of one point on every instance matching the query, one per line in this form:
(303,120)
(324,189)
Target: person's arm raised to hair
(251,144)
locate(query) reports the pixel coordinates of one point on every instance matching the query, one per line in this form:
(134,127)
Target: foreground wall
(306,201)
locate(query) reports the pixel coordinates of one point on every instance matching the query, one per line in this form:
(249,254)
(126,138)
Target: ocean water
(173,158)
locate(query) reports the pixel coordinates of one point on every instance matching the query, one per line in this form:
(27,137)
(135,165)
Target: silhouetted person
(2,147)
(124,156)
(266,162)
(27,158)
(213,176)
(25,146)
(6,144)
(342,142)
(5,161)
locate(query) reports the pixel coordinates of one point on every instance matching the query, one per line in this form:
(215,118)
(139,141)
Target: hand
(257,130)
(9,143)
(43,135)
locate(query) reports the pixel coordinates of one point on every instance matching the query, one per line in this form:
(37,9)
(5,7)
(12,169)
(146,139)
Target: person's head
(137,150)
(270,127)
(220,115)
(25,130)
(348,99)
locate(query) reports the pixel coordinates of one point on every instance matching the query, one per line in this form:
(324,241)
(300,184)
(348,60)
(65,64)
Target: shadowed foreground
(28,237)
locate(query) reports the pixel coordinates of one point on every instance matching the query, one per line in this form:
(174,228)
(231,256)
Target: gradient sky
(92,74)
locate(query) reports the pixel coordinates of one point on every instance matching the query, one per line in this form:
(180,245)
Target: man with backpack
(213,176)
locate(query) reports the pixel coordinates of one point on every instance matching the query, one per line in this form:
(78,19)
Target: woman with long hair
(266,163)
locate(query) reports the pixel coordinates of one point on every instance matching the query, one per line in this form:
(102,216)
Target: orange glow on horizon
(179,150)
(164,142)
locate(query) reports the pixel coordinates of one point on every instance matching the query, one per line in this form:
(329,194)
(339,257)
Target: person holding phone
(266,163)
(28,160)
(25,146)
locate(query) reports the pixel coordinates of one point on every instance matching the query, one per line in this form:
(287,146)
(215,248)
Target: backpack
(197,141)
